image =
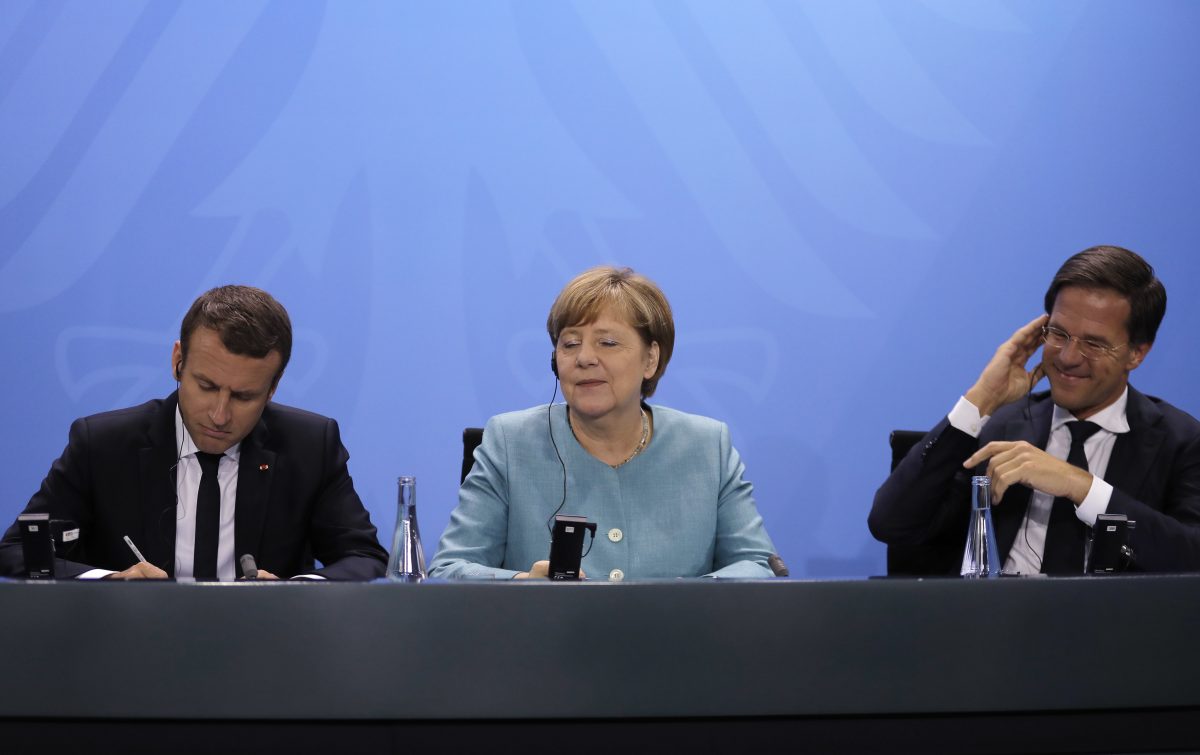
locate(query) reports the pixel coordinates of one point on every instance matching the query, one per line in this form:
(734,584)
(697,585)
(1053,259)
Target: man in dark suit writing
(1092,445)
(211,472)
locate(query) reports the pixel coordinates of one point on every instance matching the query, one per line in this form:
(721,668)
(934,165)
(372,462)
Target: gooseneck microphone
(249,568)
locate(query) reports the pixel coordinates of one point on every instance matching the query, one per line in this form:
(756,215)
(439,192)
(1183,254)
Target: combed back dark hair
(249,321)
(1124,272)
(635,296)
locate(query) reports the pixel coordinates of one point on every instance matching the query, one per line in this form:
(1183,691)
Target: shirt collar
(187,446)
(1111,418)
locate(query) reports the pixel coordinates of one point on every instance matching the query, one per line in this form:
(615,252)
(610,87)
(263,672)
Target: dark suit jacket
(1154,470)
(295,498)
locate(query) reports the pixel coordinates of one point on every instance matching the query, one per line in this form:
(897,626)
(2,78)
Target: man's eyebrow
(240,393)
(1093,339)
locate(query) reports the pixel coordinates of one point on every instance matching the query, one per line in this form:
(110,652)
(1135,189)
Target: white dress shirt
(187,490)
(1025,556)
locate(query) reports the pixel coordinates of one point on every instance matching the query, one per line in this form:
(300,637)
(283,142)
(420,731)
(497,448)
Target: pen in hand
(133,548)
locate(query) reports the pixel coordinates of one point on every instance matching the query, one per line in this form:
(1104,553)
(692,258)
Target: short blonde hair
(637,297)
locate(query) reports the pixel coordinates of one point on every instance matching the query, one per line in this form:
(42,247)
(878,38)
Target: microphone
(249,568)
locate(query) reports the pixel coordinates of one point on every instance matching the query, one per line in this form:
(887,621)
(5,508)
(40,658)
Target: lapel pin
(263,467)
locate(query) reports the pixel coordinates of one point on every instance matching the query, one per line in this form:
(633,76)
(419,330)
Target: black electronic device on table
(1109,551)
(37,545)
(566,545)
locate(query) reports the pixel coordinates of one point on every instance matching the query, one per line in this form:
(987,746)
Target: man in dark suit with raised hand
(1058,460)
(213,471)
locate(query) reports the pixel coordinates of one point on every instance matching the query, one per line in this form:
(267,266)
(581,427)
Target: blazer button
(615,535)
(616,575)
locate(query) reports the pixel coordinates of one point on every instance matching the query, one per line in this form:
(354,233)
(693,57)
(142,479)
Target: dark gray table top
(653,649)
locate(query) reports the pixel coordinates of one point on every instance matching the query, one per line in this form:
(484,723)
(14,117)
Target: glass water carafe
(981,557)
(407,560)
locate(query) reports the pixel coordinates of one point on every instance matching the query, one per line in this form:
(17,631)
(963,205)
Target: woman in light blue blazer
(664,487)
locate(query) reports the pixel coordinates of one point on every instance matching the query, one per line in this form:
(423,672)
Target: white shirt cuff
(965,416)
(309,576)
(1095,503)
(95,574)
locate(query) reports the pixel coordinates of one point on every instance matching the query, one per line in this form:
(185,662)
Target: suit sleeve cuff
(1096,502)
(965,416)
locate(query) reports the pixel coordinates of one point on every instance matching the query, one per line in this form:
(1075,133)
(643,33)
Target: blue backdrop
(849,205)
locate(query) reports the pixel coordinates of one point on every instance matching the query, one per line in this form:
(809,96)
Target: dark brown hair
(249,321)
(1124,272)
(635,296)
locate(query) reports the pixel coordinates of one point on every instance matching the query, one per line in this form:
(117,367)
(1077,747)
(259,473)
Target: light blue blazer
(679,509)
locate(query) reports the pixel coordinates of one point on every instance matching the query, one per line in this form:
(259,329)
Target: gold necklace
(641,443)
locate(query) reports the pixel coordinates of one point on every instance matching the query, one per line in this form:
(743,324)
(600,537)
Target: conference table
(1093,664)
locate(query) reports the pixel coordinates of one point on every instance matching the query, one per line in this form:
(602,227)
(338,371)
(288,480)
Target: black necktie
(208,518)
(1065,534)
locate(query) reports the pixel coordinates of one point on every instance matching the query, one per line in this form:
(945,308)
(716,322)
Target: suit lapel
(1008,516)
(256,470)
(157,471)
(1134,451)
